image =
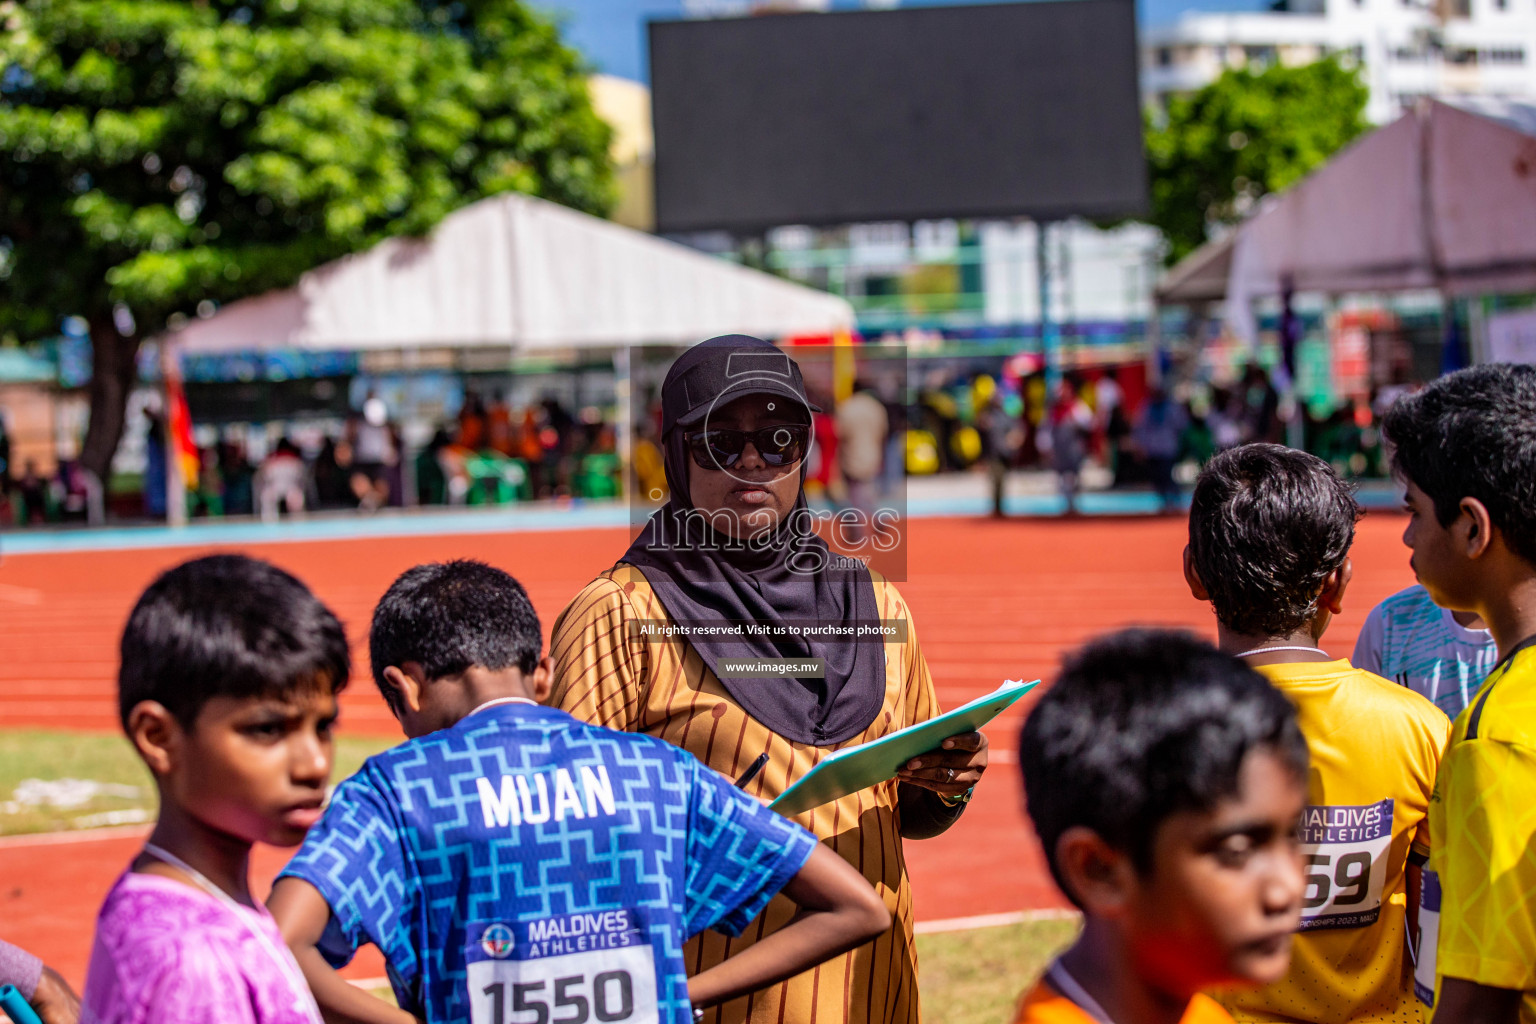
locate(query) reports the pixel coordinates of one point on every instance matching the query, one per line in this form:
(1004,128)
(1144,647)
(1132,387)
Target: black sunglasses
(779,445)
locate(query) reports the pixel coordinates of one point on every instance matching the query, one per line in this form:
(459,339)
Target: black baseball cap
(716,372)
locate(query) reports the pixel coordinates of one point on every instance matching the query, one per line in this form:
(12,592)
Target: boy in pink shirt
(230,669)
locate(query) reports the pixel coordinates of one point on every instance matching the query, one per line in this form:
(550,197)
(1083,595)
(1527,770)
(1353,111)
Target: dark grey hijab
(701,576)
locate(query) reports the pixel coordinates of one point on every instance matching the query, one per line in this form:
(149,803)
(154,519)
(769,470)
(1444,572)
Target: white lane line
(961,924)
(84,835)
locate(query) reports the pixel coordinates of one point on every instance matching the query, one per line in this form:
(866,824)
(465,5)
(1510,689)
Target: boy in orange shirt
(1166,781)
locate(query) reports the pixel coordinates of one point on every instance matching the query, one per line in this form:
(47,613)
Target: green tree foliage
(157,154)
(1214,152)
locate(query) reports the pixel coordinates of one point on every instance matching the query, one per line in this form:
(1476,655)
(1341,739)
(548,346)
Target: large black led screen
(977,111)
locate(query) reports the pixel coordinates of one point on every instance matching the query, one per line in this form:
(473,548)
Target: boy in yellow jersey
(1269,535)
(1465,448)
(1165,781)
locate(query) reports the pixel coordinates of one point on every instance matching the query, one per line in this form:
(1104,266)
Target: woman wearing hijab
(733,546)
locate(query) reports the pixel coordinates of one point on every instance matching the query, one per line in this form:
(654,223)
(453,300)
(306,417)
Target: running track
(991,600)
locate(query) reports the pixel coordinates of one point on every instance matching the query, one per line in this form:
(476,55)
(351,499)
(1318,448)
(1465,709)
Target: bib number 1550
(612,987)
(607,998)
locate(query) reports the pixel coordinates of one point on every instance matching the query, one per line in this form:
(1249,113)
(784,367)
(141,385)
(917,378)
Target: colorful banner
(179,421)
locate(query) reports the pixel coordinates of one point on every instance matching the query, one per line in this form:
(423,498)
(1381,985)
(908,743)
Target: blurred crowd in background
(1104,428)
(489,454)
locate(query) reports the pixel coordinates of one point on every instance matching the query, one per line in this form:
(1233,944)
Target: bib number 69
(1349,884)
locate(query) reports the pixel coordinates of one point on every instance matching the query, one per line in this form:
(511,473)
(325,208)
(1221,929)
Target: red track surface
(991,600)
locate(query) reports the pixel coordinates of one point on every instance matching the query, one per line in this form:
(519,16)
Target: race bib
(1429,938)
(1345,850)
(593,968)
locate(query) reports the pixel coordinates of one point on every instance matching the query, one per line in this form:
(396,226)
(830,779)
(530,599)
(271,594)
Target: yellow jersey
(1375,747)
(1483,820)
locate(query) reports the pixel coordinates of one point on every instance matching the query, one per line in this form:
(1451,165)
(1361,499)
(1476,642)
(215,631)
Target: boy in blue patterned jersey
(515,864)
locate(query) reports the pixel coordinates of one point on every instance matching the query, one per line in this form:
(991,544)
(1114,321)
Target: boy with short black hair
(1465,447)
(1165,781)
(230,670)
(509,860)
(1270,530)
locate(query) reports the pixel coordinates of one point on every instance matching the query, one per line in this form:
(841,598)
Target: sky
(611,33)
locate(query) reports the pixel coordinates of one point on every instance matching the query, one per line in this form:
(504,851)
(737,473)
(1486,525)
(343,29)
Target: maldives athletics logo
(498,941)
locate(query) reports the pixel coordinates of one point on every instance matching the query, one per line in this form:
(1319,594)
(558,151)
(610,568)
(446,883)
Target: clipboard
(854,768)
(16,1007)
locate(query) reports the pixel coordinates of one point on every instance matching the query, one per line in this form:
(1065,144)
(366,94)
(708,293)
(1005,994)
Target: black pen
(751,773)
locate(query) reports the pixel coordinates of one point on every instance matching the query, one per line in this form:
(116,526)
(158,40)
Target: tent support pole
(623,387)
(410,363)
(1477,329)
(1050,348)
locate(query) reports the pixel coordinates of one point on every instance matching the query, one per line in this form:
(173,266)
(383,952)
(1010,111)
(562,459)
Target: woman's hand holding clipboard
(854,768)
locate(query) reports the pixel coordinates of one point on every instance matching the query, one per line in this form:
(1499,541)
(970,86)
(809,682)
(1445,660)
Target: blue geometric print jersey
(523,867)
(1415,643)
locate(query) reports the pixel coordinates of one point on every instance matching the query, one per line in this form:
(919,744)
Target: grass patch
(977,976)
(383,992)
(110,785)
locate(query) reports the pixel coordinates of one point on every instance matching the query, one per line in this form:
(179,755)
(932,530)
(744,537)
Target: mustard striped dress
(608,674)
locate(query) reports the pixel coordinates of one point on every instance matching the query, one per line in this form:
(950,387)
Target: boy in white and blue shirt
(1415,643)
(509,860)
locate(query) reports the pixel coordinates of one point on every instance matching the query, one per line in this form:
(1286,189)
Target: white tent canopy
(1201,276)
(1440,198)
(516,271)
